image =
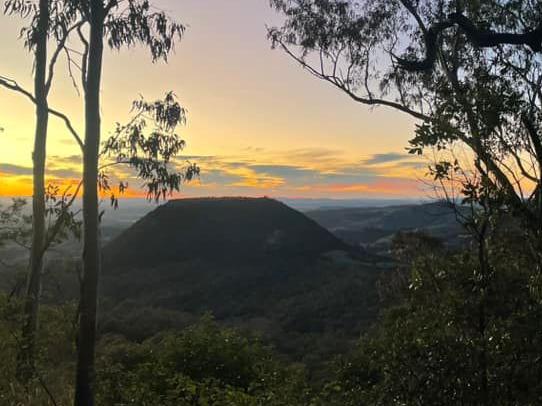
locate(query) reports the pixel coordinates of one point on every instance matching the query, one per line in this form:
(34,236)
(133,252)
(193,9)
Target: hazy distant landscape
(296,276)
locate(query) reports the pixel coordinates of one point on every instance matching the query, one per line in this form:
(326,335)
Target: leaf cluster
(149,151)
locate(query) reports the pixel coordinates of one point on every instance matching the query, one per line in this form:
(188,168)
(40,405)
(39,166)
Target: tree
(110,22)
(469,73)
(121,23)
(38,199)
(12,220)
(148,151)
(47,18)
(458,334)
(16,231)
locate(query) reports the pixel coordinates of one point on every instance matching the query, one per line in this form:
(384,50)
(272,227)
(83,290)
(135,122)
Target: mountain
(254,263)
(373,228)
(230,230)
(317,204)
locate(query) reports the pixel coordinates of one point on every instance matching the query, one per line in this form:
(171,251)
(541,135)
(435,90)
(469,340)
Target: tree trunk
(85,374)
(31,305)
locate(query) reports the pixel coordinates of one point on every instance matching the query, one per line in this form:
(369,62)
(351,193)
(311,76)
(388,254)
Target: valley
(304,281)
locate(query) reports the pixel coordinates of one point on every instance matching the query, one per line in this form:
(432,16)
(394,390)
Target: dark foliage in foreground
(453,335)
(201,365)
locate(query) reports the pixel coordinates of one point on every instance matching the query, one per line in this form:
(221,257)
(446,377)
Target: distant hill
(228,230)
(373,228)
(255,263)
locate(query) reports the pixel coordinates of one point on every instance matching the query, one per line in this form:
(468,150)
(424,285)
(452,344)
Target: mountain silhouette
(254,263)
(221,229)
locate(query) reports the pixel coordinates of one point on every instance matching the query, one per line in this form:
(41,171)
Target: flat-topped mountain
(255,263)
(221,229)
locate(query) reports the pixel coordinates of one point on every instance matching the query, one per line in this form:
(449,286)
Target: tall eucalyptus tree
(468,72)
(117,23)
(47,18)
(98,23)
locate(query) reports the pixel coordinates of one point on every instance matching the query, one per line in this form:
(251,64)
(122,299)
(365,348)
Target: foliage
(54,357)
(63,221)
(454,333)
(150,155)
(469,73)
(253,262)
(458,336)
(137,21)
(15,223)
(62,14)
(202,365)
(127,24)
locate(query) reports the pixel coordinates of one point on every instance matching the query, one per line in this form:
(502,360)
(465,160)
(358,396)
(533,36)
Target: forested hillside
(252,263)
(373,228)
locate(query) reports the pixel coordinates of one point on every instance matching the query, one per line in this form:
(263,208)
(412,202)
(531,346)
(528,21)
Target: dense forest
(249,302)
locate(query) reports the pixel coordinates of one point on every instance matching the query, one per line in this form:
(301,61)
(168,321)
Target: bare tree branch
(14,86)
(60,46)
(370,101)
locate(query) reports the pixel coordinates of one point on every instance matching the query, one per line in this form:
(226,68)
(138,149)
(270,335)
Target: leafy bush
(457,336)
(54,367)
(202,365)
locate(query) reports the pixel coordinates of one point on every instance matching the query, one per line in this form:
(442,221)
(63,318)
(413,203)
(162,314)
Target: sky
(258,124)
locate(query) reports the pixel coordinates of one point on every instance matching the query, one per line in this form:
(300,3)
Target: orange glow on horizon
(21,186)
(15,186)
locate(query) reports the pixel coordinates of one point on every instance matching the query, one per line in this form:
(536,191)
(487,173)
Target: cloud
(195,158)
(298,170)
(238,175)
(389,157)
(417,165)
(65,173)
(15,170)
(315,155)
(286,171)
(216,177)
(57,160)
(311,172)
(18,170)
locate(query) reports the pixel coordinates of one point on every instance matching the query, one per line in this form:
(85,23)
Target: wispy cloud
(66,160)
(15,170)
(386,158)
(308,172)
(319,171)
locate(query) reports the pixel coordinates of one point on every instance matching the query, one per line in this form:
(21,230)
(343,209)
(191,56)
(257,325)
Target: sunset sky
(257,123)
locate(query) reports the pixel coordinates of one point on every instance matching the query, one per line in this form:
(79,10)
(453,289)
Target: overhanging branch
(14,86)
(337,82)
(478,37)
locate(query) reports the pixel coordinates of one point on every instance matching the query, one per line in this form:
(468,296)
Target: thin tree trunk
(85,378)
(33,289)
